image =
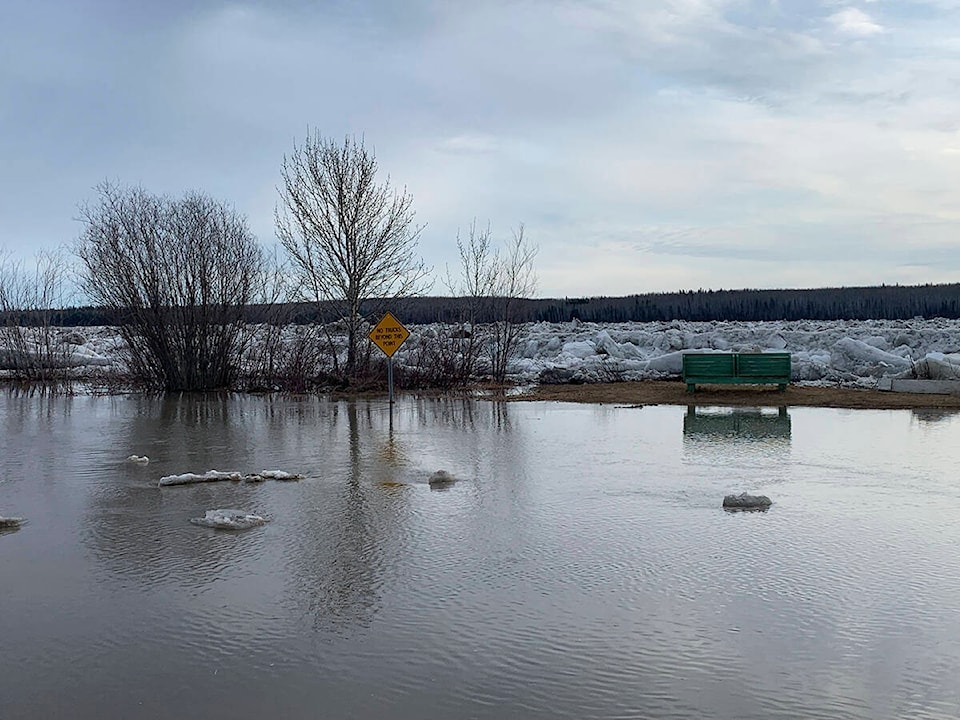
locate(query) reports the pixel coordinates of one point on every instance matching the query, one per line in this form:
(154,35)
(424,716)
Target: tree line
(882,302)
(889,302)
(200,305)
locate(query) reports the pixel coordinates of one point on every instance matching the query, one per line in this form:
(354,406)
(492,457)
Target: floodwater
(582,567)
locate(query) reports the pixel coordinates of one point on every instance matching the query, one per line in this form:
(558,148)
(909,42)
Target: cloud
(637,141)
(855,22)
(469,144)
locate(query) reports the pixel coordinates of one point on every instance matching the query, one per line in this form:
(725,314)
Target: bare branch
(179,273)
(349,238)
(493,282)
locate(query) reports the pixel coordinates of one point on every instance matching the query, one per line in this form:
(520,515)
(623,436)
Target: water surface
(581,568)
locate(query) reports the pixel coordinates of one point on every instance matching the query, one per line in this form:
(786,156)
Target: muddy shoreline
(674,392)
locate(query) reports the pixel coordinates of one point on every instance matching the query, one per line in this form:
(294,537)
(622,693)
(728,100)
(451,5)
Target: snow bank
(824,352)
(850,352)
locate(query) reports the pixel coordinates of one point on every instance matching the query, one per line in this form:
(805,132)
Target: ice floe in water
(228,519)
(191,478)
(138,459)
(216,475)
(278,475)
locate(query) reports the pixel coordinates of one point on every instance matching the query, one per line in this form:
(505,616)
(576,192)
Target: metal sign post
(390,379)
(388,335)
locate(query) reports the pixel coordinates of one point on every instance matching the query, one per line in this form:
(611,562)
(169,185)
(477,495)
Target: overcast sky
(646,145)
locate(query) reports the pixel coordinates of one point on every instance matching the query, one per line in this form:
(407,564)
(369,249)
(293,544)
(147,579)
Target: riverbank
(674,392)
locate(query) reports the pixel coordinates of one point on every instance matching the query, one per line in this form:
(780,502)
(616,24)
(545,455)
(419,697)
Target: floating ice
(139,459)
(191,478)
(226,519)
(216,475)
(280,475)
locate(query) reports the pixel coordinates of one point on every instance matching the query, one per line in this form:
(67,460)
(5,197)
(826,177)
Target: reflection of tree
(335,539)
(468,414)
(933,415)
(350,537)
(26,437)
(429,410)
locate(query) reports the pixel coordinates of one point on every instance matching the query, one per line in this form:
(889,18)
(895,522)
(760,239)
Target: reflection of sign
(389,334)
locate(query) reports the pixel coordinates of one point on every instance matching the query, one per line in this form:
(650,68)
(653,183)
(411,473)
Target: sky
(645,145)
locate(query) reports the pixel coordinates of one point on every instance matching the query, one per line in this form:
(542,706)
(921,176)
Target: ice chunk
(776,341)
(139,459)
(191,478)
(844,351)
(227,519)
(579,349)
(607,345)
(280,475)
(939,366)
(667,363)
(861,353)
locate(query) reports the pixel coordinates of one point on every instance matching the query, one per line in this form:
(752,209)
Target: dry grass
(666,392)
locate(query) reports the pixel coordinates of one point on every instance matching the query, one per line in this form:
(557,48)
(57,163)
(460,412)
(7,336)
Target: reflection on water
(753,444)
(932,414)
(580,567)
(737,424)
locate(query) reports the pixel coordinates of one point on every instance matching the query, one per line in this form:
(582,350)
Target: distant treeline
(850,303)
(888,302)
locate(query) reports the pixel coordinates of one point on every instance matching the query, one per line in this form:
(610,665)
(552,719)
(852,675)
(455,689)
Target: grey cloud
(708,129)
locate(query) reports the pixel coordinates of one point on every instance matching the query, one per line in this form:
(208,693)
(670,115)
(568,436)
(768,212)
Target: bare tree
(516,281)
(475,288)
(30,300)
(493,283)
(179,274)
(350,238)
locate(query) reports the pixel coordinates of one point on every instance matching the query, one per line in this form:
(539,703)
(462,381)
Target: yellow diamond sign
(389,334)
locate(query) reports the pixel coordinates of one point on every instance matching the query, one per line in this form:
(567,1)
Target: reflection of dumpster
(739,423)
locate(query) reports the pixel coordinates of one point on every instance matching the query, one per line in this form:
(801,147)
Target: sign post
(388,335)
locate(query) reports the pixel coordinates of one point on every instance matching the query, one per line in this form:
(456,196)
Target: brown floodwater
(580,566)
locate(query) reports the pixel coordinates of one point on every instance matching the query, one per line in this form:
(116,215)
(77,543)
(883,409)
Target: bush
(179,273)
